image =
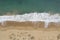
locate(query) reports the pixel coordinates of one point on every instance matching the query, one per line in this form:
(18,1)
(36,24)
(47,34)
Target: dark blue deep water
(23,6)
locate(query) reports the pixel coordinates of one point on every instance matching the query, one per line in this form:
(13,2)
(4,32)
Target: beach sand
(29,31)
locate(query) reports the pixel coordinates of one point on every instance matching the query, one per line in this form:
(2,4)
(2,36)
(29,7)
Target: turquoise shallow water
(23,6)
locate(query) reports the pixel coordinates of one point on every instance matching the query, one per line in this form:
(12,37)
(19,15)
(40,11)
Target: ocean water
(30,10)
(26,6)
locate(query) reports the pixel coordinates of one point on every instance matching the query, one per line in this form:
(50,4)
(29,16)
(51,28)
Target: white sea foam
(46,17)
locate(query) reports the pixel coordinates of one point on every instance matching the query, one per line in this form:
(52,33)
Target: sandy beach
(29,31)
(29,19)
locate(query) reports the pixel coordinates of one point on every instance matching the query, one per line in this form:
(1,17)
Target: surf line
(45,17)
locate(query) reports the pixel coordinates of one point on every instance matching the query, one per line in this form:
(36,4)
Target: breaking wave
(46,17)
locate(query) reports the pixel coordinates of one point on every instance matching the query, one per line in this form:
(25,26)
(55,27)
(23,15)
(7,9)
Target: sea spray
(34,17)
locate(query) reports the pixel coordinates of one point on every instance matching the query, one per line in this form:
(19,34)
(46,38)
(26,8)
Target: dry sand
(29,31)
